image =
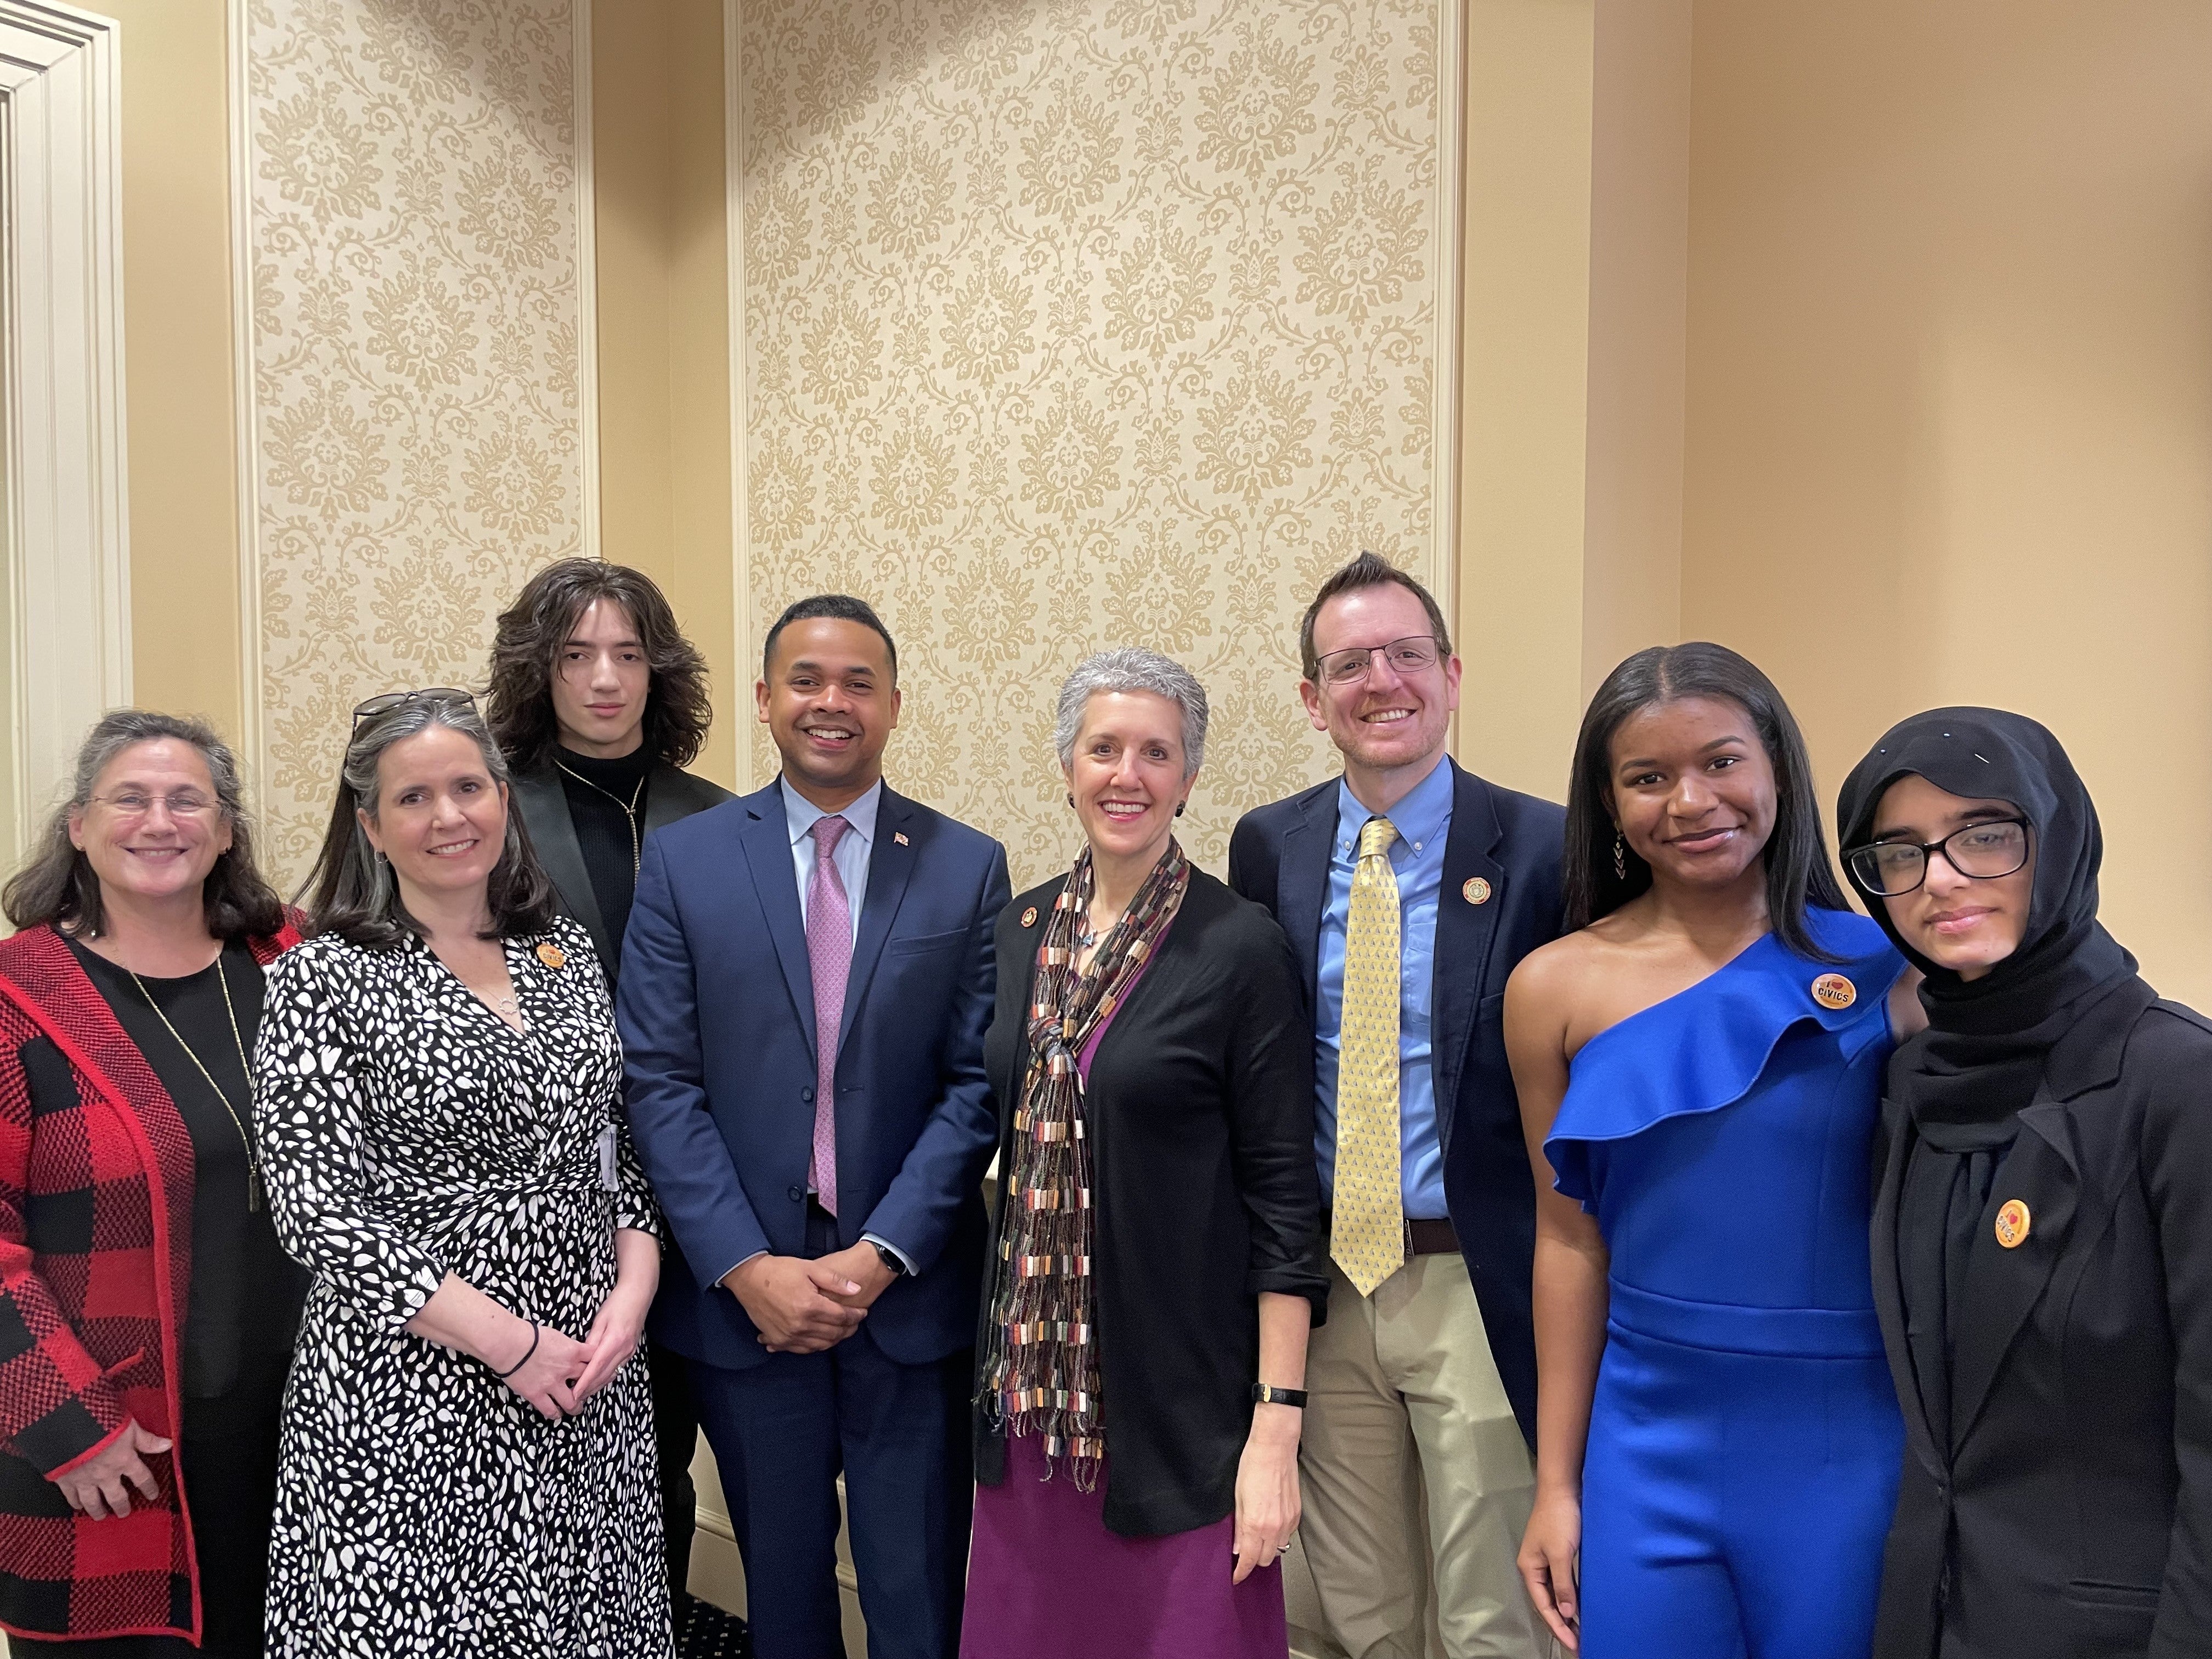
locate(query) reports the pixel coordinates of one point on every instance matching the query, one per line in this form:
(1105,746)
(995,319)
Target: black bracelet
(525,1360)
(1263,1394)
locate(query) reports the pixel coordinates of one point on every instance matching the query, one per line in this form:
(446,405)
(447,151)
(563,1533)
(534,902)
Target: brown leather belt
(1422,1237)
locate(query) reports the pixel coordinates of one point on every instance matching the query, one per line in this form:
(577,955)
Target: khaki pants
(1416,1483)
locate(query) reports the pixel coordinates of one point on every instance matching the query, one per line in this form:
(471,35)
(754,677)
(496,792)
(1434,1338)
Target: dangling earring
(1179,806)
(1070,797)
(1620,857)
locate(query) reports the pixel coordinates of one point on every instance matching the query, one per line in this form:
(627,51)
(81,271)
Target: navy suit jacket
(1279,857)
(716,1011)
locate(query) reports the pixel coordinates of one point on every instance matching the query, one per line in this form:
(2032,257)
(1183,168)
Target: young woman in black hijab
(2043,1221)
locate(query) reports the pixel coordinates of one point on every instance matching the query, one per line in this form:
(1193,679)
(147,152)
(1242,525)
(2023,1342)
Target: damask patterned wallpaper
(418,408)
(1072,323)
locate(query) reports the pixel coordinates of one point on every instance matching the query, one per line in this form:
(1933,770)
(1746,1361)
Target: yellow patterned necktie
(1367,1237)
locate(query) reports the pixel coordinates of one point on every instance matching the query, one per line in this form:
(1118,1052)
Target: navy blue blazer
(1279,857)
(716,1011)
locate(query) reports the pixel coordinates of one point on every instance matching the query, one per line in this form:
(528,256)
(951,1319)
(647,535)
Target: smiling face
(600,681)
(1385,720)
(831,704)
(144,848)
(1693,790)
(1965,923)
(1127,774)
(439,817)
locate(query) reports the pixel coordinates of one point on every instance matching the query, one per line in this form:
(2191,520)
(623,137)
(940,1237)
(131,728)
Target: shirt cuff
(720,1277)
(905,1260)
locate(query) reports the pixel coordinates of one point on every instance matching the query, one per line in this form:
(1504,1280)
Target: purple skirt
(1045,1576)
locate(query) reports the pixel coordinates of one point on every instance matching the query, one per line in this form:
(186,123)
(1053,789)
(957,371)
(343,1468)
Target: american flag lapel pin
(900,837)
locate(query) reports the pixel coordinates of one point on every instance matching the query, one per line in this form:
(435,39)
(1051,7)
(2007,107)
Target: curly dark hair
(519,701)
(58,885)
(1798,873)
(356,895)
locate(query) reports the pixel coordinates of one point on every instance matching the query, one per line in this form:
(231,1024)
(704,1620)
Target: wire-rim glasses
(1985,850)
(385,704)
(1414,654)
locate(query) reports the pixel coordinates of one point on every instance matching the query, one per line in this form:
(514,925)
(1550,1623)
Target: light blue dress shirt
(853,850)
(1423,821)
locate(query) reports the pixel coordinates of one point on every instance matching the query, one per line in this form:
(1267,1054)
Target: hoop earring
(1620,857)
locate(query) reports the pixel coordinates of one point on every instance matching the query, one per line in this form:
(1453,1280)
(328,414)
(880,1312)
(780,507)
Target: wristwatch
(1262,1395)
(891,1260)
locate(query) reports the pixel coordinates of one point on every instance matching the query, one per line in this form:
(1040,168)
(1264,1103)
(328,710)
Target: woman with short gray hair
(1145,1314)
(438,1098)
(147,1311)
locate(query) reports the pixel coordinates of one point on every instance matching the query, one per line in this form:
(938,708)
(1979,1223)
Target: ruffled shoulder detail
(1704,1049)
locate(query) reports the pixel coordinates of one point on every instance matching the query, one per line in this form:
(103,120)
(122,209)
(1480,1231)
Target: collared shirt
(850,859)
(1422,819)
(854,847)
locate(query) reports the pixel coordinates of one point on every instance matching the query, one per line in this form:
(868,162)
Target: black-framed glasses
(1889,869)
(1414,654)
(389,701)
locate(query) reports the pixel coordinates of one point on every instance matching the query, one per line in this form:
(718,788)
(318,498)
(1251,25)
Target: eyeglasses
(391,699)
(1889,869)
(1416,653)
(130,803)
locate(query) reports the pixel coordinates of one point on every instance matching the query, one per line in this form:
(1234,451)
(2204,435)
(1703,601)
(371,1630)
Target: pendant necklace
(253,1191)
(629,811)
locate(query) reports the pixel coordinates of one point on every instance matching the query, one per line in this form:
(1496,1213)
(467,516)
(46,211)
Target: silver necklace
(629,811)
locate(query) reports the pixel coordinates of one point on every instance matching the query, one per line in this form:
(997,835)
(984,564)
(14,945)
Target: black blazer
(2071,1517)
(670,794)
(1201,1112)
(1279,857)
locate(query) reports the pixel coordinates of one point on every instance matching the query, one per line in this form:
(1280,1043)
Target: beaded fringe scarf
(1040,1374)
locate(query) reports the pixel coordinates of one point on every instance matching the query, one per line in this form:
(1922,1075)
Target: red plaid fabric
(96,1259)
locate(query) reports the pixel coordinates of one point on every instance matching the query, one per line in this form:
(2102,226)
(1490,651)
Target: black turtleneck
(599,791)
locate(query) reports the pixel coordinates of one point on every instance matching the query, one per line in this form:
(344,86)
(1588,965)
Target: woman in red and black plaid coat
(146,1315)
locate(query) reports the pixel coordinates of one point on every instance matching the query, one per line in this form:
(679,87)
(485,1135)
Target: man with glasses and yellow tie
(1410,889)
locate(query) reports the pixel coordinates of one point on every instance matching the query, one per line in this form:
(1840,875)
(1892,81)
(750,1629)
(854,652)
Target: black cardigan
(2071,1516)
(1200,1111)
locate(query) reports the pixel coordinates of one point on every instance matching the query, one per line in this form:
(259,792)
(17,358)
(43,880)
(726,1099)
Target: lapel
(2003,1286)
(544,806)
(1302,882)
(1889,1295)
(666,799)
(765,837)
(1464,931)
(890,862)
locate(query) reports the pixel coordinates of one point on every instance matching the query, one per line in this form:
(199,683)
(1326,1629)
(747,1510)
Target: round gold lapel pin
(1477,891)
(1834,991)
(552,956)
(2013,1224)
(1029,917)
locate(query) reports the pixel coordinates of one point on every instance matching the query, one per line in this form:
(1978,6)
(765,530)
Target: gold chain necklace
(630,810)
(253,1158)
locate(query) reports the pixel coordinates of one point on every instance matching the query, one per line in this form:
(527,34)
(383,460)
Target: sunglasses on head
(391,700)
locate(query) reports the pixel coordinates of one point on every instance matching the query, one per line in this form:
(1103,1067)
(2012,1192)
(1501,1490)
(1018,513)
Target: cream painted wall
(1949,409)
(178,344)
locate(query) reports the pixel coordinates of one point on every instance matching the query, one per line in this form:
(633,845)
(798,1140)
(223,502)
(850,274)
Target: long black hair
(356,895)
(1798,873)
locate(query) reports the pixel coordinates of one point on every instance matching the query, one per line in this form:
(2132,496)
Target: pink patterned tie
(829,955)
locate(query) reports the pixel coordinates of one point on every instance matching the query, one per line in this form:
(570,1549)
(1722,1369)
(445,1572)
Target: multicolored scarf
(1041,1373)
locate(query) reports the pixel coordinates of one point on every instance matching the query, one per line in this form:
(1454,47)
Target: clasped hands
(800,1306)
(562,1374)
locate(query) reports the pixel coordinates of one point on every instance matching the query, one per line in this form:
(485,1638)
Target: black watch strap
(1262,1395)
(891,1260)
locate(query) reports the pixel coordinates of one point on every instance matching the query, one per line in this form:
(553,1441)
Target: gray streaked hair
(1131,668)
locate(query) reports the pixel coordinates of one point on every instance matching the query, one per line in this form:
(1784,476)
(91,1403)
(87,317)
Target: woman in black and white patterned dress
(467,1455)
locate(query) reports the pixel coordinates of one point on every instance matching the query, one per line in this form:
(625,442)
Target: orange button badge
(1477,891)
(2013,1224)
(552,956)
(1029,917)
(1834,991)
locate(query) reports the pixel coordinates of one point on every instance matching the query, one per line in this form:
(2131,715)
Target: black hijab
(1966,1079)
(1982,1056)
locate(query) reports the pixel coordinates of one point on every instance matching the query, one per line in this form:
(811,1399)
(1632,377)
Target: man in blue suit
(806,978)
(1422,1385)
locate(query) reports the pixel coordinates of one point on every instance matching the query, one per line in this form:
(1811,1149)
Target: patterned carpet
(703,1631)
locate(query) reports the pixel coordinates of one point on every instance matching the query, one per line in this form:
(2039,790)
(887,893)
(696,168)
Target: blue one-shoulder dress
(1745,1437)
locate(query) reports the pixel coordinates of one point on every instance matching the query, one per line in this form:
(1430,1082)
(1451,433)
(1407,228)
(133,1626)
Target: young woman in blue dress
(1700,1063)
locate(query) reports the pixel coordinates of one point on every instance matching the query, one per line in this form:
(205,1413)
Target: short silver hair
(1131,668)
